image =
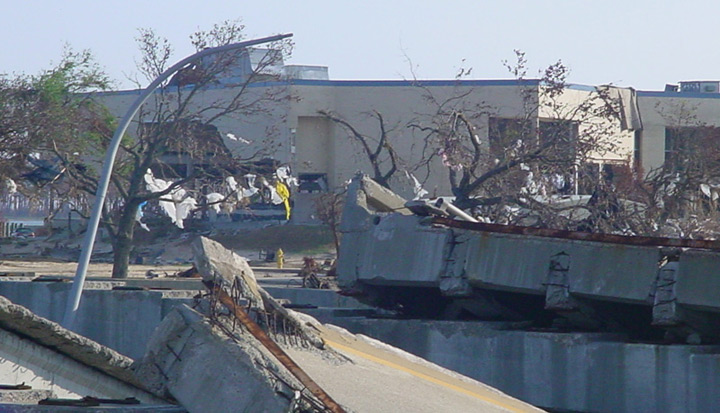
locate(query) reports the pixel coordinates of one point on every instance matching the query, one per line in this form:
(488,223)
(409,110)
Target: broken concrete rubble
(219,265)
(605,282)
(212,363)
(207,371)
(216,264)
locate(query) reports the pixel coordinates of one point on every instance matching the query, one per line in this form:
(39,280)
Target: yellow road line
(422,375)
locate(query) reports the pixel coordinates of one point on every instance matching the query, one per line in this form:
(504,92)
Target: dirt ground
(165,254)
(68,268)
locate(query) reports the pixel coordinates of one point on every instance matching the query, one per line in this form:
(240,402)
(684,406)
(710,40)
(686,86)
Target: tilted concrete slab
(222,266)
(520,263)
(402,251)
(46,356)
(698,280)
(377,377)
(207,371)
(509,263)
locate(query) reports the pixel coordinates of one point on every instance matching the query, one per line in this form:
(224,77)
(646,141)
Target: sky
(639,43)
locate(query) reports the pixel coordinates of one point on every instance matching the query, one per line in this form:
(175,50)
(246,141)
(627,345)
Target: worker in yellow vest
(284,194)
(280,256)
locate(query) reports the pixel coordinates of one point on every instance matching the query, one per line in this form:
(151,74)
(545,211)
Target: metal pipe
(581,236)
(453,210)
(83,262)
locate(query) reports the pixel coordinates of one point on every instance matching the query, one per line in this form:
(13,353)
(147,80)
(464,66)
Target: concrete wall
(379,255)
(121,320)
(125,320)
(564,371)
(520,263)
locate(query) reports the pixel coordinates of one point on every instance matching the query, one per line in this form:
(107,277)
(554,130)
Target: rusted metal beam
(266,341)
(580,236)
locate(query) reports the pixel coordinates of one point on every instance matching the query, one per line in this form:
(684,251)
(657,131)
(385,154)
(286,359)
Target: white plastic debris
(214,199)
(233,137)
(418,190)
(176,205)
(10,186)
(231,184)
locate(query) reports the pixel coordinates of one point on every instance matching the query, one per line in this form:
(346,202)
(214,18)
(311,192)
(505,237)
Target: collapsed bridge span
(410,258)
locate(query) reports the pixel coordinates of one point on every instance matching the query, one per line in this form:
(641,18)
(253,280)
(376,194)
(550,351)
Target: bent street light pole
(79,281)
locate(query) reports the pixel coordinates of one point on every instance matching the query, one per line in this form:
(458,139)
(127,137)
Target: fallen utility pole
(580,236)
(276,351)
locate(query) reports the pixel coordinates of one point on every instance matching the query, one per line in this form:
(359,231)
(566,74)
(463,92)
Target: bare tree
(177,129)
(377,149)
(496,161)
(328,207)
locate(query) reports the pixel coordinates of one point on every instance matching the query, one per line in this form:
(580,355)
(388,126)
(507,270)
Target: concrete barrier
(121,320)
(125,320)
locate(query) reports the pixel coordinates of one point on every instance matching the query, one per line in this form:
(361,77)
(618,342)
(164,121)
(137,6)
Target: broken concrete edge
(364,198)
(310,334)
(217,264)
(185,353)
(23,322)
(272,346)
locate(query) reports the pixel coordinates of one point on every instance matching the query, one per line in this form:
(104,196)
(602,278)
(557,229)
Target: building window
(676,140)
(507,137)
(637,149)
(692,148)
(560,138)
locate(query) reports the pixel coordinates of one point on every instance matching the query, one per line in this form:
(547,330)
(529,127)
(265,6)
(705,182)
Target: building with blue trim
(296,133)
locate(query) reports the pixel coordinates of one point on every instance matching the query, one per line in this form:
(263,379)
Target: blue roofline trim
(586,88)
(663,94)
(404,83)
(382,83)
(116,92)
(364,83)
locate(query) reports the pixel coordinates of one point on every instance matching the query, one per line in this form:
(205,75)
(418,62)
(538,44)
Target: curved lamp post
(79,281)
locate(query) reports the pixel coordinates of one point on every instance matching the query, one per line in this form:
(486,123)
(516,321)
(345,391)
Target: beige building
(292,131)
(313,145)
(672,115)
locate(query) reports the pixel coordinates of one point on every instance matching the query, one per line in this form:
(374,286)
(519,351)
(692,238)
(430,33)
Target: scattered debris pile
(190,353)
(318,276)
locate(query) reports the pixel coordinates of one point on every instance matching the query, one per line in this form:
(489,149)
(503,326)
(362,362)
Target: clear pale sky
(640,43)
